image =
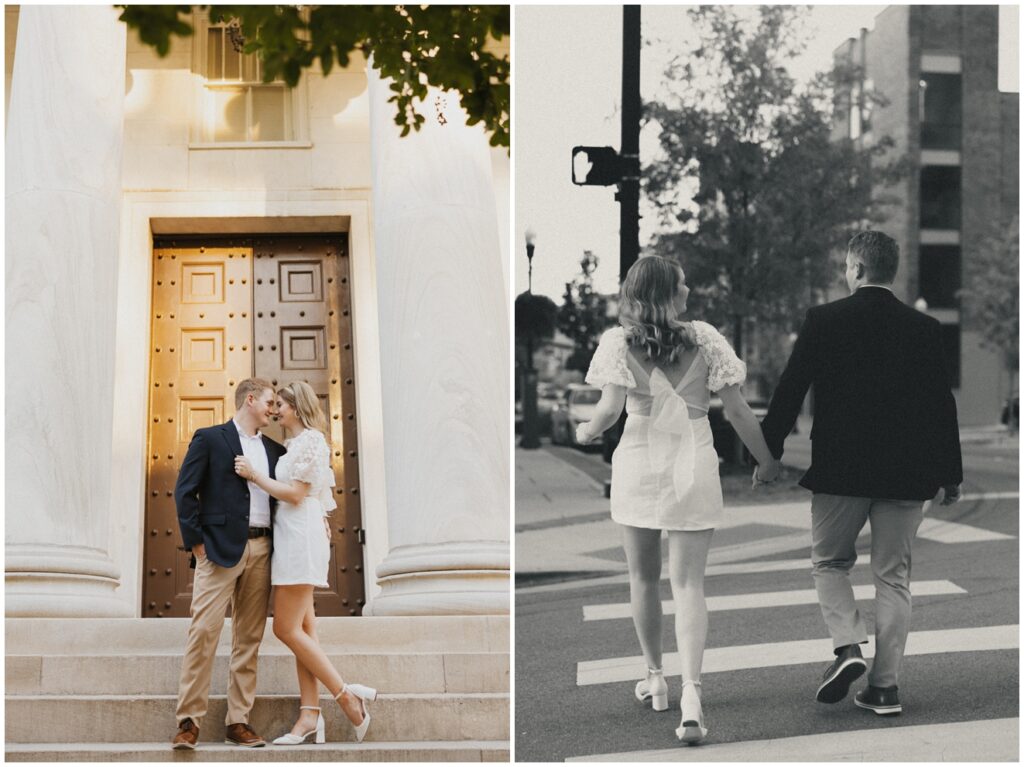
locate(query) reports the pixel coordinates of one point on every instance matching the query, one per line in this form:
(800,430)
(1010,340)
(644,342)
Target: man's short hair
(250,386)
(879,253)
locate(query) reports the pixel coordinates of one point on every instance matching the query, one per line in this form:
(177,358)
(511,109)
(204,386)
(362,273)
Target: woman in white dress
(665,469)
(301,558)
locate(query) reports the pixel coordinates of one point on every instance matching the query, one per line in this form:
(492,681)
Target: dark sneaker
(849,665)
(884,701)
(243,735)
(187,736)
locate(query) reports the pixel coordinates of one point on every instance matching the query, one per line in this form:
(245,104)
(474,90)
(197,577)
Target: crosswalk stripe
(986,740)
(999,496)
(955,532)
(797,652)
(767,599)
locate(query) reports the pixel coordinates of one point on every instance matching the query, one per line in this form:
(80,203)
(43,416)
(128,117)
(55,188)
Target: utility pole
(629,187)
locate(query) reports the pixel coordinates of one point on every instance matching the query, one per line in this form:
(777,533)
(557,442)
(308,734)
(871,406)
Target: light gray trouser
(836,521)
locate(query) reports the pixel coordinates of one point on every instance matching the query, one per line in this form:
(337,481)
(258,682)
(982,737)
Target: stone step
(157,674)
(363,635)
(427,751)
(134,719)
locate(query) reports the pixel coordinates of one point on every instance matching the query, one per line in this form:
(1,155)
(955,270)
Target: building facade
(937,68)
(175,225)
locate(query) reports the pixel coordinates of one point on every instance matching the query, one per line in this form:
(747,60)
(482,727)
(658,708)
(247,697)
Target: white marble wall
(442,296)
(63,194)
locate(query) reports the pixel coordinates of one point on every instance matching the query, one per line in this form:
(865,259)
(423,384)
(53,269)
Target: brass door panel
(201,348)
(303,332)
(277,308)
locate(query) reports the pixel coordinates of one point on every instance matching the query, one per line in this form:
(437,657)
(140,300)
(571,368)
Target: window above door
(233,107)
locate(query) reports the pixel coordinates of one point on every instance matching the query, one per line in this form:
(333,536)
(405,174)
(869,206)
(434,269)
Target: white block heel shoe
(653,687)
(290,739)
(365,695)
(691,728)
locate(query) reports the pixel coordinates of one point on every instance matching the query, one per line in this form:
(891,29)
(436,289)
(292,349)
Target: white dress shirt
(259,501)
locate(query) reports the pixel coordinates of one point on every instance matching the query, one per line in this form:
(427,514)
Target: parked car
(576,404)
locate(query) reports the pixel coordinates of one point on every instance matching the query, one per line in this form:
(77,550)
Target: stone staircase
(105,690)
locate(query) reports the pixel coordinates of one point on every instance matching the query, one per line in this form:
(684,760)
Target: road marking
(767,599)
(954,532)
(797,652)
(990,496)
(985,740)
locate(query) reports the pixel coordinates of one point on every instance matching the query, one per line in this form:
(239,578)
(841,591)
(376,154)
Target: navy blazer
(212,500)
(885,422)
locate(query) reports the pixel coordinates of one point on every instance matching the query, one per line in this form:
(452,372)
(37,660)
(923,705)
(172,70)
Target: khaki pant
(836,521)
(246,588)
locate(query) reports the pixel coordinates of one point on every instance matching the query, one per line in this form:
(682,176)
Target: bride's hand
(327,527)
(583,436)
(242,467)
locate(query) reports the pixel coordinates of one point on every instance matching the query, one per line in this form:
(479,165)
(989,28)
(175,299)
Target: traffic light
(595,166)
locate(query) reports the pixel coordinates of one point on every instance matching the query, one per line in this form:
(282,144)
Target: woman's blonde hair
(647,310)
(303,399)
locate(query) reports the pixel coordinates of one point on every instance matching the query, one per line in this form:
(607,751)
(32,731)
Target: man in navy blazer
(884,441)
(227,524)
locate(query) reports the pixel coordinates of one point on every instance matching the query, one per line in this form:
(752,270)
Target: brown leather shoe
(187,736)
(243,735)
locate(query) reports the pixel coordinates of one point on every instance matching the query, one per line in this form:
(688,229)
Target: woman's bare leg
(643,558)
(290,606)
(309,688)
(687,560)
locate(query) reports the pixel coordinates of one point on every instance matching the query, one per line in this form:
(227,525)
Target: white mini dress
(302,552)
(665,468)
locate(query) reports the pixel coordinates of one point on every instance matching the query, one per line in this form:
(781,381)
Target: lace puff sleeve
(313,465)
(609,363)
(724,367)
(312,457)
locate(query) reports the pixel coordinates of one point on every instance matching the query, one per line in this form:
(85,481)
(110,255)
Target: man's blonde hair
(250,386)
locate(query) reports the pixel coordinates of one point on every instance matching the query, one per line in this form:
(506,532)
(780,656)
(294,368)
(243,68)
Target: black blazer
(884,417)
(213,501)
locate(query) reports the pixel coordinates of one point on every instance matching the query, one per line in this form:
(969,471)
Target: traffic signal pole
(629,187)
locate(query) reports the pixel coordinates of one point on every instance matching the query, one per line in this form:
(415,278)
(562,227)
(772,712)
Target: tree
(776,192)
(991,299)
(583,314)
(535,319)
(445,46)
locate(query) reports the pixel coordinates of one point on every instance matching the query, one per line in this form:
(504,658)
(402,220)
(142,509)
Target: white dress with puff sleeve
(302,552)
(665,468)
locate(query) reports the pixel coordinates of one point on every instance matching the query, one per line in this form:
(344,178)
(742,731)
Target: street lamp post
(530,440)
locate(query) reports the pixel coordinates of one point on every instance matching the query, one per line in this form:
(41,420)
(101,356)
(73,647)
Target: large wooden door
(277,308)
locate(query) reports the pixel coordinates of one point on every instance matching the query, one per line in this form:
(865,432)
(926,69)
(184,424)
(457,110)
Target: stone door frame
(147,213)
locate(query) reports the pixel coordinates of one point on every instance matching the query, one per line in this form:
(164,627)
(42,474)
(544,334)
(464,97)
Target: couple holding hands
(254,514)
(885,440)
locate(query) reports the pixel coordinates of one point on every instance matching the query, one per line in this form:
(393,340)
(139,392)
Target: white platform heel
(290,739)
(691,728)
(653,687)
(365,695)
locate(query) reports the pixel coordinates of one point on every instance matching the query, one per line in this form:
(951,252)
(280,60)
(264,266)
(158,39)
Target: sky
(567,90)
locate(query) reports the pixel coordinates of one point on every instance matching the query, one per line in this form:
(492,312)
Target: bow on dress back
(672,447)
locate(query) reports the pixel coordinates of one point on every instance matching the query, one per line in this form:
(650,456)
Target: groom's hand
(765,475)
(199,550)
(950,495)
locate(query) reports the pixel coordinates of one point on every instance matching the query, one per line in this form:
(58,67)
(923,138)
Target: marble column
(63,198)
(444,349)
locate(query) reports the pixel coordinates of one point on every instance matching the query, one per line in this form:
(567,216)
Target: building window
(939,275)
(951,353)
(940,197)
(941,111)
(235,105)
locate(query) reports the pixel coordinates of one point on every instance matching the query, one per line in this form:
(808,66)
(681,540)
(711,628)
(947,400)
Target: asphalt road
(558,718)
